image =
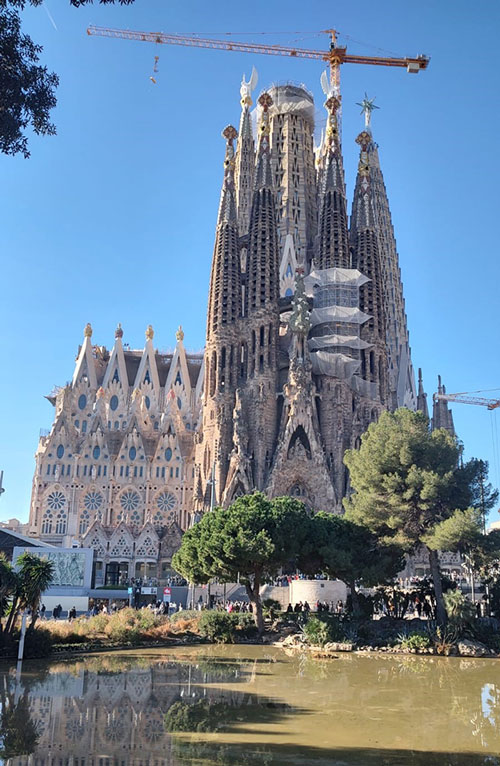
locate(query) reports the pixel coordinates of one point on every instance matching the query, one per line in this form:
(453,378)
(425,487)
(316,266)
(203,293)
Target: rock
(468,648)
(293,640)
(335,646)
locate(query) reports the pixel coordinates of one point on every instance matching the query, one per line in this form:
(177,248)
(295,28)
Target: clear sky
(112,220)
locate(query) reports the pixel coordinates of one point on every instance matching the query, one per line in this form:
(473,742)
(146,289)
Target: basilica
(306,344)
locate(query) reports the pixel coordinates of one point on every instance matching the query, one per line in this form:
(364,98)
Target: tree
(252,540)
(353,554)
(483,496)
(27,90)
(406,480)
(35,574)
(22,587)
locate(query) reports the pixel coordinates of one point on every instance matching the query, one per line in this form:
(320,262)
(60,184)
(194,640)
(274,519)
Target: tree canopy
(21,587)
(407,481)
(27,89)
(351,553)
(252,540)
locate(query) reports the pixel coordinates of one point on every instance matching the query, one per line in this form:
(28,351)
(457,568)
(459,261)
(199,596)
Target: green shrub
(414,640)
(184,614)
(317,632)
(37,643)
(219,627)
(461,612)
(245,624)
(271,607)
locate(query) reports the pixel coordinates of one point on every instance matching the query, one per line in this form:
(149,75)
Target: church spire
(441,413)
(333,249)
(367,259)
(422,396)
(402,391)
(225,281)
(245,156)
(262,283)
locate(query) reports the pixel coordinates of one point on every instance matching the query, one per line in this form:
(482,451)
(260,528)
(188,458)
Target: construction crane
(335,56)
(466,397)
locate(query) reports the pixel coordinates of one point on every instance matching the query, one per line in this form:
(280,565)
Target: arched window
(84,522)
(113,402)
(132,453)
(168,454)
(61,523)
(60,451)
(47,523)
(96,453)
(82,402)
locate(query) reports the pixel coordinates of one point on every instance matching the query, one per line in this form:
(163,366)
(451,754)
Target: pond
(251,705)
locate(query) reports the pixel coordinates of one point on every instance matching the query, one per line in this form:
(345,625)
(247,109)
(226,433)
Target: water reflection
(251,706)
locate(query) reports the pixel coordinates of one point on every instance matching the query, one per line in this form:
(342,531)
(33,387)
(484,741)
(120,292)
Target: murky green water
(253,706)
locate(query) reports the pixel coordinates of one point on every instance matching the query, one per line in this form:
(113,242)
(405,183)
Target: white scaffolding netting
(336,365)
(336,345)
(338,314)
(363,387)
(333,276)
(326,341)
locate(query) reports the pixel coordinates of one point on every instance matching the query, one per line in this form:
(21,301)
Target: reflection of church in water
(114,715)
(306,344)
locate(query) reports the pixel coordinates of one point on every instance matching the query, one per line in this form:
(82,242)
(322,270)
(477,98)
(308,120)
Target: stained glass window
(130,500)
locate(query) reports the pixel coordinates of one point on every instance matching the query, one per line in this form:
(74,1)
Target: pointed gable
(85,366)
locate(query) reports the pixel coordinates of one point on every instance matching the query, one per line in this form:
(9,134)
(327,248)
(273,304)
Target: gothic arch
(299,444)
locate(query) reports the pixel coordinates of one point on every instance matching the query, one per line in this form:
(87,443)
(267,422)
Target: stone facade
(116,470)
(307,341)
(306,344)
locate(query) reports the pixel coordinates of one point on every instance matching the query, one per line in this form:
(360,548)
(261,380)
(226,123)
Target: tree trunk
(12,616)
(254,596)
(356,610)
(438,588)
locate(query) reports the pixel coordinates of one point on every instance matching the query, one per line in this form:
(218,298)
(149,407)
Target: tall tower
(401,380)
(223,340)
(260,327)
(320,347)
(367,258)
(333,238)
(292,128)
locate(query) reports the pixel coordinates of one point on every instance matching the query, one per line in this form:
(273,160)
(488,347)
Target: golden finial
(119,331)
(332,104)
(150,333)
(363,139)
(265,101)
(179,335)
(100,392)
(88,330)
(230,133)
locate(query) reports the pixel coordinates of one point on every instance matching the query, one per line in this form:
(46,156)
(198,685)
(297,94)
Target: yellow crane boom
(465,398)
(335,56)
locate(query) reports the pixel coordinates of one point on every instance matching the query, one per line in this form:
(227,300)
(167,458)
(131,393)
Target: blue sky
(112,220)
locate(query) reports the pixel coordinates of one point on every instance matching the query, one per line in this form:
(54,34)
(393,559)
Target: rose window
(56,501)
(165,501)
(92,500)
(129,501)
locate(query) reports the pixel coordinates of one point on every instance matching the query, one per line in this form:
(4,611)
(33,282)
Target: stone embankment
(464,648)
